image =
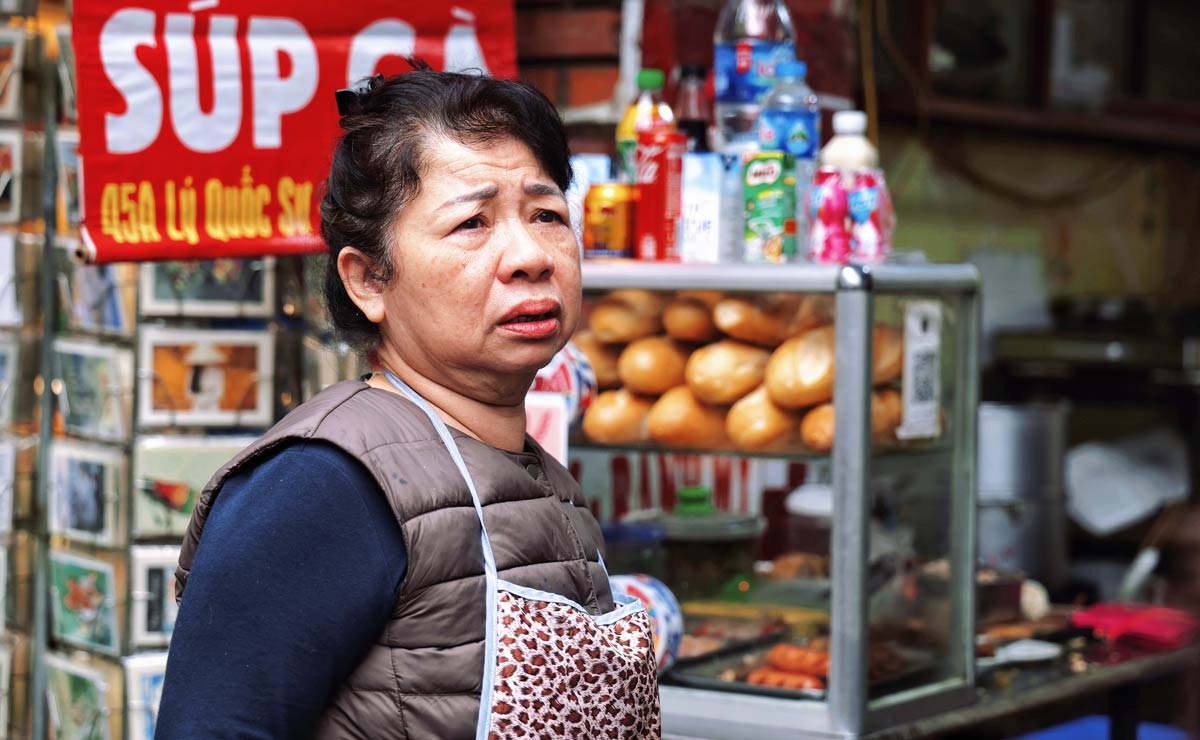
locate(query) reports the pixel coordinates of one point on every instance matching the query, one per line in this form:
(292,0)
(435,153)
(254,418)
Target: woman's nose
(525,257)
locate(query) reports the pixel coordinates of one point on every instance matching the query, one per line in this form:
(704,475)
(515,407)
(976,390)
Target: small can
(827,208)
(870,211)
(660,194)
(769,193)
(608,220)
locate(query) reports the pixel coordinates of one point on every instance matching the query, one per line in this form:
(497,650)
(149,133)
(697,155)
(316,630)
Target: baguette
(617,417)
(652,365)
(679,419)
(602,357)
(724,371)
(756,423)
(817,427)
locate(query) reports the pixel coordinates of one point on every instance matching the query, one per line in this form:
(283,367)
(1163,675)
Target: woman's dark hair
(378,161)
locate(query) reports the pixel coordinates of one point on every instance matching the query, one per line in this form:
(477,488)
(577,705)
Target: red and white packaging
(570,374)
(871,217)
(660,194)
(828,241)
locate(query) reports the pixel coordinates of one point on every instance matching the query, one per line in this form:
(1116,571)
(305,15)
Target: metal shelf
(896,452)
(613,274)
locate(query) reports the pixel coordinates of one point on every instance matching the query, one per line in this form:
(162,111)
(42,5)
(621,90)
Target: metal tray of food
(709,637)
(744,671)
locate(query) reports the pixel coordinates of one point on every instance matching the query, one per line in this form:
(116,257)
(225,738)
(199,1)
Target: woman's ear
(359,277)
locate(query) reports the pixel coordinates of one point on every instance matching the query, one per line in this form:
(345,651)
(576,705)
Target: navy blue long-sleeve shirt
(296,575)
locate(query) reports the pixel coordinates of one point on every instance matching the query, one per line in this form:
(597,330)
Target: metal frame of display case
(714,715)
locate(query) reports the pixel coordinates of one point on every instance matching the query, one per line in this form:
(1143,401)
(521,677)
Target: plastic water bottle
(752,36)
(790,120)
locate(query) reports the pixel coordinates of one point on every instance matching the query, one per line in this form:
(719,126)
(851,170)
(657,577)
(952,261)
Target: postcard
(10,276)
(10,368)
(12,58)
(99,298)
(8,485)
(10,169)
(206,378)
(169,472)
(221,287)
(76,700)
(86,483)
(70,182)
(84,602)
(6,654)
(326,363)
(96,386)
(66,71)
(153,597)
(143,692)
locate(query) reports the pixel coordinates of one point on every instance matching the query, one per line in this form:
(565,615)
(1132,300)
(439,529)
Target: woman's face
(486,280)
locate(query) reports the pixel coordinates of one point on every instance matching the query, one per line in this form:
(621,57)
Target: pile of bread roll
(704,370)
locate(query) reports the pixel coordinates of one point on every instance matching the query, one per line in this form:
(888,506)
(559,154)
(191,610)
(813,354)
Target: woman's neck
(501,426)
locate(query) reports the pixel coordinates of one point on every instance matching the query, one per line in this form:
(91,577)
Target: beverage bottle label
(794,132)
(743,72)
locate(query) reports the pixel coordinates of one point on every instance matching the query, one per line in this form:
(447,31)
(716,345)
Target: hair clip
(349,97)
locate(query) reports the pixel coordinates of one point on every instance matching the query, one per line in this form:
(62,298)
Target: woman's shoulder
(356,417)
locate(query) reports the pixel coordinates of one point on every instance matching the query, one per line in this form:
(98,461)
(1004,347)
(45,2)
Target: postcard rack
(123,388)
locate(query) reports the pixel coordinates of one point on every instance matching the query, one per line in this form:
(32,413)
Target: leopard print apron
(552,669)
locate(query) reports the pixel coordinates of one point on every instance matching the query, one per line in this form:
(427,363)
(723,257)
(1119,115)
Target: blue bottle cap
(791,69)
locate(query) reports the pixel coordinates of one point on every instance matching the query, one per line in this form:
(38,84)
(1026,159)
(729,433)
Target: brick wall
(569,50)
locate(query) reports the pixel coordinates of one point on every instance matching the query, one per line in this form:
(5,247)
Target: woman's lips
(532,327)
(533,319)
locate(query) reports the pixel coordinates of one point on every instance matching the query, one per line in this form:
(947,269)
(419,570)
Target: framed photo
(8,487)
(66,71)
(153,597)
(94,398)
(220,287)
(10,169)
(10,347)
(3,591)
(99,298)
(76,700)
(86,482)
(169,473)
(10,303)
(12,59)
(326,364)
(84,600)
(70,182)
(6,652)
(143,692)
(198,377)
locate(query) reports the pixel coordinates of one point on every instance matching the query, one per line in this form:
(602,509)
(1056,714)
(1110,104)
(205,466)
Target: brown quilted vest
(421,679)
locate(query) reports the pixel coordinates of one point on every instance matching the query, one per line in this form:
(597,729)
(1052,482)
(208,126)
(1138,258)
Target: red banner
(206,127)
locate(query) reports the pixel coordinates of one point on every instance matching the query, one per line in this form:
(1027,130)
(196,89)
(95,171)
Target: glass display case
(859,613)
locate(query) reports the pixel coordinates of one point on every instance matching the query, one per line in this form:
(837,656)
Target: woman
(344,585)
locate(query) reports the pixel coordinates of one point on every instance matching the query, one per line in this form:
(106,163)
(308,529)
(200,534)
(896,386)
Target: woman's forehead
(450,163)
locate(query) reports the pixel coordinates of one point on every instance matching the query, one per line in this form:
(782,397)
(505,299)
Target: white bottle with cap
(849,149)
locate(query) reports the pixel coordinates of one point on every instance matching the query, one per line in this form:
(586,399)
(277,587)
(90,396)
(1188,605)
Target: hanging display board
(206,127)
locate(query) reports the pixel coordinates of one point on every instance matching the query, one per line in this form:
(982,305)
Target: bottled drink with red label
(659,183)
(870,211)
(827,204)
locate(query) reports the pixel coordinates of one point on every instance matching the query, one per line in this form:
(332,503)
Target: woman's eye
(470,223)
(549,217)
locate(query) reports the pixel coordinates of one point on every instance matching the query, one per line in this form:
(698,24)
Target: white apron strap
(489,558)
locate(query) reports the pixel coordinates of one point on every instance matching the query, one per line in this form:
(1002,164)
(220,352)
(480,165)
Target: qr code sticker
(924,376)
